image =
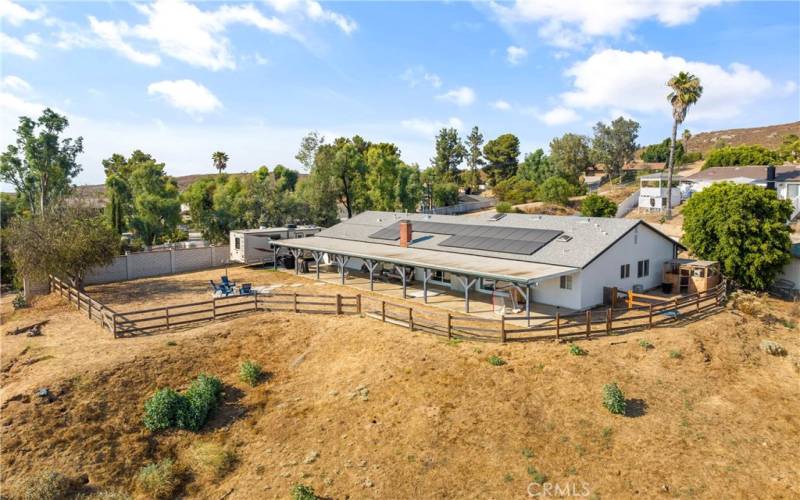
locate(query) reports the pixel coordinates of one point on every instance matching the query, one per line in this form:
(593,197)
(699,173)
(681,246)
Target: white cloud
(501,105)
(417,75)
(462,96)
(572,23)
(789,87)
(11,45)
(16,14)
(314,11)
(15,84)
(185,95)
(636,82)
(515,55)
(111,34)
(559,116)
(430,127)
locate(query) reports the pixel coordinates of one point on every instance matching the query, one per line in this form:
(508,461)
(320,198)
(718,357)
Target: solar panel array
(515,240)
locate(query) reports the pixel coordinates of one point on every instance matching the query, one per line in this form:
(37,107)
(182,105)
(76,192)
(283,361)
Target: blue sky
(181,80)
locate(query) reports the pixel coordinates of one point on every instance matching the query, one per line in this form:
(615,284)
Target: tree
(220,160)
(516,190)
(595,205)
(475,160)
(659,153)
(790,148)
(383,166)
(156,207)
(743,227)
(615,145)
(8,210)
(409,187)
(502,156)
(686,90)
(68,242)
(285,178)
(571,155)
(450,152)
(42,164)
(686,136)
(537,167)
(556,190)
(309,145)
(341,166)
(727,156)
(445,194)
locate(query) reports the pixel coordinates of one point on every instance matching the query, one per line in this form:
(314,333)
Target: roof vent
(564,238)
(496,217)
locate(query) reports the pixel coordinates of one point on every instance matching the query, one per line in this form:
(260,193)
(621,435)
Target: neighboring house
(653,192)
(785,180)
(250,246)
(570,262)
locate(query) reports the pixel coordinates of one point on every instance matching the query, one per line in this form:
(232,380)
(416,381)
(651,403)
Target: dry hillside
(769,136)
(360,409)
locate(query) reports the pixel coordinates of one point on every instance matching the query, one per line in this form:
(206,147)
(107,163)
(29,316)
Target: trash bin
(666,287)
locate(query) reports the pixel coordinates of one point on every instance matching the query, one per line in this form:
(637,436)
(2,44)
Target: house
(250,246)
(570,262)
(653,192)
(784,179)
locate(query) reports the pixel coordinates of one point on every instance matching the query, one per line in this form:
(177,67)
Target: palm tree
(220,160)
(687,134)
(686,90)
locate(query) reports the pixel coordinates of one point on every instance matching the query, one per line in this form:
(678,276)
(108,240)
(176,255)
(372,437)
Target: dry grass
(394,414)
(211,460)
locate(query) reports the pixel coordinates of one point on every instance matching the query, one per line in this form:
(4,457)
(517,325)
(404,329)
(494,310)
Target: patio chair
(245,289)
(227,282)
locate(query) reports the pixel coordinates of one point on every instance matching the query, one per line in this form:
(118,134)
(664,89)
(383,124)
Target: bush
(742,155)
(773,348)
(19,301)
(504,207)
(659,153)
(250,372)
(303,492)
(595,205)
(515,190)
(189,411)
(691,157)
(162,410)
(496,361)
(556,190)
(211,459)
(46,485)
(159,480)
(445,194)
(614,398)
(577,350)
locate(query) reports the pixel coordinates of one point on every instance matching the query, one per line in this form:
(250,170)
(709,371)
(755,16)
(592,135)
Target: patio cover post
(528,303)
(342,261)
(296,253)
(403,278)
(467,284)
(371,265)
(317,257)
(426,275)
(275,250)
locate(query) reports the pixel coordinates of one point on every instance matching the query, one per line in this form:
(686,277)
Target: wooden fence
(641,311)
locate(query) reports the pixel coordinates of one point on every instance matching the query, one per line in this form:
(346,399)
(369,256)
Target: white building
(570,262)
(251,246)
(653,192)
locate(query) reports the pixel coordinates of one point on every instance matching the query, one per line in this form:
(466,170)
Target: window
(643,268)
(624,271)
(440,277)
(566,282)
(237,243)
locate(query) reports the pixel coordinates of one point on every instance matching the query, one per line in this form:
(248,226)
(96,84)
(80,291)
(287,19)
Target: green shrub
(303,492)
(46,485)
(496,361)
(19,301)
(645,344)
(556,190)
(250,372)
(746,154)
(504,207)
(675,354)
(536,476)
(614,398)
(595,205)
(159,480)
(577,350)
(161,411)
(188,411)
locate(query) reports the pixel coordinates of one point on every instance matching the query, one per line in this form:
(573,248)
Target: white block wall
(158,263)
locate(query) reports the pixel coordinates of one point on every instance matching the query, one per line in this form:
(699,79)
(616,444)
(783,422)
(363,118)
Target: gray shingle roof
(590,236)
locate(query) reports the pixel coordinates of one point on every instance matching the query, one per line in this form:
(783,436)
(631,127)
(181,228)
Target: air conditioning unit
(638,288)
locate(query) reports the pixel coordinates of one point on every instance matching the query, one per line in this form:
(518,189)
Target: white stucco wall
(792,272)
(639,244)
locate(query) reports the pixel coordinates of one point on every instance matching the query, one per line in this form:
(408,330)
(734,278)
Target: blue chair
(245,289)
(223,289)
(226,282)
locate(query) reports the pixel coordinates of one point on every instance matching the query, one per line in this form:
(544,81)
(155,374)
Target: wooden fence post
(358,303)
(449,325)
(650,316)
(255,300)
(294,302)
(608,320)
(502,328)
(90,308)
(558,325)
(588,323)
(338,303)
(383,311)
(697,298)
(411,319)
(114,324)
(213,308)
(166,316)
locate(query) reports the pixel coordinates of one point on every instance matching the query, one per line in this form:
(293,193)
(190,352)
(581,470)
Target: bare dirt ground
(395,414)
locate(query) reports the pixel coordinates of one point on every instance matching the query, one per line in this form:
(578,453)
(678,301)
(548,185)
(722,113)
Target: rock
(772,348)
(289,464)
(368,484)
(362,463)
(311,457)
(328,481)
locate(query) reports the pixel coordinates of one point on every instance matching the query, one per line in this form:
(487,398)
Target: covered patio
(331,258)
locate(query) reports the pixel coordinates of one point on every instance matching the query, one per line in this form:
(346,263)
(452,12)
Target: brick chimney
(405,233)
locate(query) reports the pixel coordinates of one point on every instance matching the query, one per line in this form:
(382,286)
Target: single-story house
(565,261)
(784,179)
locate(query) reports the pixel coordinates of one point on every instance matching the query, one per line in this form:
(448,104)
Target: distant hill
(769,137)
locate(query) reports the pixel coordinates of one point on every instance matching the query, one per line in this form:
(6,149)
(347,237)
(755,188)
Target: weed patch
(577,350)
(496,361)
(159,480)
(250,373)
(614,398)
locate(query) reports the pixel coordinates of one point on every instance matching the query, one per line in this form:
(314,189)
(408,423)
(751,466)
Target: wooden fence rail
(636,314)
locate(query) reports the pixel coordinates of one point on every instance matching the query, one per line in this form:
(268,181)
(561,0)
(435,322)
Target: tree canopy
(727,156)
(659,153)
(571,156)
(42,163)
(220,160)
(595,205)
(743,227)
(502,157)
(450,153)
(615,144)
